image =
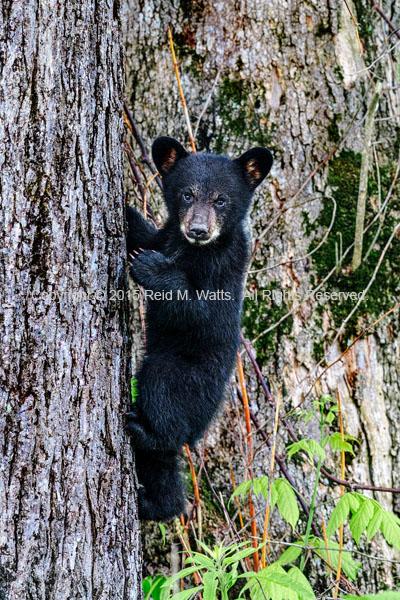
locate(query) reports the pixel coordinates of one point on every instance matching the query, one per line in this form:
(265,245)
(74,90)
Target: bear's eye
(220,202)
(187,197)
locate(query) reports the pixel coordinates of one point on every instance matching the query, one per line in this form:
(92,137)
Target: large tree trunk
(290,76)
(68,525)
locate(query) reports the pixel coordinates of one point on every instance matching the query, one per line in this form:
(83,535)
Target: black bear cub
(192,270)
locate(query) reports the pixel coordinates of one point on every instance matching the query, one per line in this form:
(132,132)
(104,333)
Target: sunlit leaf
(286,501)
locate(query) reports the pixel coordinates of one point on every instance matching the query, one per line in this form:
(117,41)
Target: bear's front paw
(147,267)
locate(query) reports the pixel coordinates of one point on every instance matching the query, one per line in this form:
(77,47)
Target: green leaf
(180,575)
(336,443)
(272,583)
(330,417)
(186,594)
(375,522)
(210,586)
(228,550)
(360,519)
(317,449)
(309,446)
(327,399)
(339,515)
(286,501)
(290,555)
(207,549)
(297,447)
(241,490)
(355,500)
(390,528)
(152,587)
(303,587)
(242,554)
(201,561)
(260,486)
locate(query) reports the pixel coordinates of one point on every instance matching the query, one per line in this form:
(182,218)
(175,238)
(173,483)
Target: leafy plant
(221,565)
(282,496)
(222,570)
(366,516)
(153,587)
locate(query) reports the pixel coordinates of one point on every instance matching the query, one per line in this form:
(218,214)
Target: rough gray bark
(290,76)
(68,525)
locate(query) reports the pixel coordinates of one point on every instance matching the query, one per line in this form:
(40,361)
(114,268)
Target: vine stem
(271,472)
(312,511)
(249,440)
(178,79)
(342,474)
(314,496)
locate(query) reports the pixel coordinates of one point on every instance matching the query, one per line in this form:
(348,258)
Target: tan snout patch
(203,214)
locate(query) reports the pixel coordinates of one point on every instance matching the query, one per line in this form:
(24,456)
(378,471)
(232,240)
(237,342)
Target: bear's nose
(198,232)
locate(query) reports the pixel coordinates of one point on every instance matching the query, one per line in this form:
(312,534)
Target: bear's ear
(255,164)
(166,153)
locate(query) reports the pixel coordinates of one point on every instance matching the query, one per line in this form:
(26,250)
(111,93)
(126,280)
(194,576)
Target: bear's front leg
(154,271)
(140,233)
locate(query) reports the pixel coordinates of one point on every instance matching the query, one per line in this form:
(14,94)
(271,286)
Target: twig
(196,490)
(326,544)
(239,513)
(250,445)
(363,186)
(185,110)
(322,242)
(380,12)
(134,170)
(186,546)
(371,281)
(355,25)
(292,433)
(284,470)
(136,134)
(271,472)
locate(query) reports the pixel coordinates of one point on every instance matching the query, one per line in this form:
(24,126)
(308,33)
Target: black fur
(190,343)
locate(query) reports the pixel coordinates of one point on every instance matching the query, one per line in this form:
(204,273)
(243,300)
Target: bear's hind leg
(161,494)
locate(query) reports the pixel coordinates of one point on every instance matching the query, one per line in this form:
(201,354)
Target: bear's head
(208,195)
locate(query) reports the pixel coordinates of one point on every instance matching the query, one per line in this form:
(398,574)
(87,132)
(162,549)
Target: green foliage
(282,496)
(221,564)
(153,587)
(274,583)
(222,569)
(367,516)
(222,573)
(309,446)
(336,443)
